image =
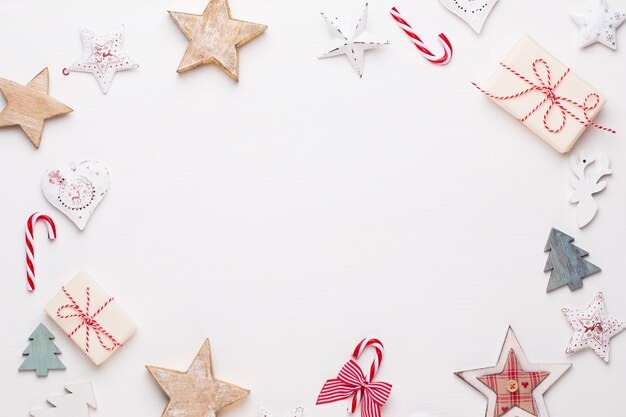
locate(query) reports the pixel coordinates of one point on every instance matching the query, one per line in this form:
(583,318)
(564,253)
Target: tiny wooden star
(28,106)
(593,328)
(196,392)
(215,37)
(514,386)
(103,56)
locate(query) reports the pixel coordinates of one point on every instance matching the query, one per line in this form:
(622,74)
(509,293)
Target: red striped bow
(352,382)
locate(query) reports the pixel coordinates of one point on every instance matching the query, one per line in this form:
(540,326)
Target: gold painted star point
(214,37)
(196,392)
(28,106)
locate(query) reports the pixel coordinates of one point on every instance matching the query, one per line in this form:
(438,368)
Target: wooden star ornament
(196,392)
(28,106)
(514,386)
(214,37)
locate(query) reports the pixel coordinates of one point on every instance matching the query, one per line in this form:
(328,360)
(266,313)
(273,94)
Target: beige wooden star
(196,393)
(215,37)
(28,106)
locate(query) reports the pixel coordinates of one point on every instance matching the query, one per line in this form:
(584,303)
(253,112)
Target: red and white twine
(545,86)
(88,320)
(352,382)
(419,44)
(30,248)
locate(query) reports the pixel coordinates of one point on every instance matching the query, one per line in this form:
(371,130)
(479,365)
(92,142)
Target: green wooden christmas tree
(42,352)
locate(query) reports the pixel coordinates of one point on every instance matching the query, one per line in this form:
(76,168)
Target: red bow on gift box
(351,382)
(88,321)
(545,86)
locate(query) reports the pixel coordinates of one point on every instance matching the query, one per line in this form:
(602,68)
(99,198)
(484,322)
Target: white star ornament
(598,23)
(103,56)
(352,40)
(593,328)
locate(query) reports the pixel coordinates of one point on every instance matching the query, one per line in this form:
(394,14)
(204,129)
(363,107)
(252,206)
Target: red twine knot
(88,321)
(352,382)
(544,84)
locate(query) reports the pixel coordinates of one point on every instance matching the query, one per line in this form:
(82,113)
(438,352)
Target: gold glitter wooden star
(215,37)
(28,106)
(196,393)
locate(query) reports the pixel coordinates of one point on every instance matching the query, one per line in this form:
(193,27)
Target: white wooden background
(289,215)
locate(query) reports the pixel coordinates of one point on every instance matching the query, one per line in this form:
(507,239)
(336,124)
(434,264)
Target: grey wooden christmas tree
(42,352)
(566,263)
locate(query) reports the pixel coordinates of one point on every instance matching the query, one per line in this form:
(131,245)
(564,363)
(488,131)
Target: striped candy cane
(30,249)
(352,382)
(358,350)
(421,47)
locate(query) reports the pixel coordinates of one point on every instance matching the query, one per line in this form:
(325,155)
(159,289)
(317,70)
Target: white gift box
(540,109)
(91,318)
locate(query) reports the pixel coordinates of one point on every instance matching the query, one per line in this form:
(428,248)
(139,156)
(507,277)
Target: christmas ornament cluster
(530,84)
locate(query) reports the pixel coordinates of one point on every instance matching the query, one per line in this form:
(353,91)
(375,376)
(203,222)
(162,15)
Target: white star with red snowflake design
(514,387)
(593,328)
(103,56)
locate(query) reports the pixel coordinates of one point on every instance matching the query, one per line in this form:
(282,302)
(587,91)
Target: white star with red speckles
(103,56)
(593,328)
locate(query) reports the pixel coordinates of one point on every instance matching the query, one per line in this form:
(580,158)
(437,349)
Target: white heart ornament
(473,12)
(77,189)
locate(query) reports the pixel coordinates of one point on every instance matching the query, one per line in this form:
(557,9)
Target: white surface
(290,215)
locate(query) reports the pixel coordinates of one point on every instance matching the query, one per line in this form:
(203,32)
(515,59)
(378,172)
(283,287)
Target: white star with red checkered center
(103,56)
(593,328)
(524,382)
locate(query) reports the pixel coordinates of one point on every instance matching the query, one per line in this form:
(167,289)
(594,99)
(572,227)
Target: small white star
(352,40)
(103,56)
(593,328)
(598,24)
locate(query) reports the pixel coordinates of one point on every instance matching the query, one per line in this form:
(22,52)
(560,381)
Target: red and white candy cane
(376,344)
(30,249)
(419,44)
(358,350)
(352,382)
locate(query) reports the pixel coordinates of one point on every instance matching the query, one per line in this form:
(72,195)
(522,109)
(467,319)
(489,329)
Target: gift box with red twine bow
(546,96)
(91,318)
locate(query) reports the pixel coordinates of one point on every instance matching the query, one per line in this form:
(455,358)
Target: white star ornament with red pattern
(593,328)
(103,56)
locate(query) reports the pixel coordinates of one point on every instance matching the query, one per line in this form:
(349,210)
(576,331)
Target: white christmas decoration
(76,189)
(103,56)
(598,23)
(352,40)
(588,170)
(593,328)
(74,404)
(473,12)
(298,412)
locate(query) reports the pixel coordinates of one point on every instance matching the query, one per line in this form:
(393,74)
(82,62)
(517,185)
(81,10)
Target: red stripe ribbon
(547,87)
(351,382)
